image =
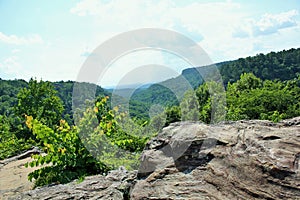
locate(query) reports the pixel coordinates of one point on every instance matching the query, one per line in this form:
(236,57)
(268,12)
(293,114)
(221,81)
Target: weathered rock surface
(232,160)
(13,174)
(116,185)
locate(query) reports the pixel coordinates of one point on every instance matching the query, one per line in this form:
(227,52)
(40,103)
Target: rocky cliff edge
(232,160)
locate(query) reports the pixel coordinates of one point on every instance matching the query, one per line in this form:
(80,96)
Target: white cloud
(13,39)
(267,24)
(223,29)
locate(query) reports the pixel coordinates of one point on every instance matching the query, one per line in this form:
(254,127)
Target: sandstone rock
(14,175)
(233,160)
(114,186)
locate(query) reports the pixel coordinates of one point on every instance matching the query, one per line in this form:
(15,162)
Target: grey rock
(33,150)
(232,160)
(114,186)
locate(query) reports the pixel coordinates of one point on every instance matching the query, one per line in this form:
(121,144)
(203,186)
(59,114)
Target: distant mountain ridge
(282,65)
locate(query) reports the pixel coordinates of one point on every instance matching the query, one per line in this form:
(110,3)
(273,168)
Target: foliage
(65,93)
(252,98)
(8,95)
(211,99)
(10,145)
(189,107)
(112,136)
(97,145)
(109,124)
(102,146)
(281,65)
(10,124)
(173,114)
(66,156)
(39,100)
(248,98)
(9,90)
(156,94)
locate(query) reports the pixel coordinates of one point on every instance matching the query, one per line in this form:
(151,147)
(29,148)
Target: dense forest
(39,113)
(283,65)
(9,90)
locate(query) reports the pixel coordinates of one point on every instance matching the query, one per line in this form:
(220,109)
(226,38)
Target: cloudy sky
(52,39)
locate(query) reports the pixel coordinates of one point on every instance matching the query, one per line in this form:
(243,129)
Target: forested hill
(8,94)
(283,65)
(9,90)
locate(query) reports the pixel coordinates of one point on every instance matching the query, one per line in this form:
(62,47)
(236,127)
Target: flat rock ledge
(116,185)
(187,160)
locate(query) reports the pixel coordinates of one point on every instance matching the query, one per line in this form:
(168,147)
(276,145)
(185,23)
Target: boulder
(232,160)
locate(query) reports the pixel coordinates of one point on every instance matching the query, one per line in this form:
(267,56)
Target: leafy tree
(95,146)
(248,81)
(251,98)
(10,145)
(65,93)
(211,99)
(67,157)
(281,65)
(204,101)
(189,107)
(106,142)
(109,124)
(173,114)
(39,100)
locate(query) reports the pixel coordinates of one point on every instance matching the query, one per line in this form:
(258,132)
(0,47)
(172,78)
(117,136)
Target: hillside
(9,90)
(283,65)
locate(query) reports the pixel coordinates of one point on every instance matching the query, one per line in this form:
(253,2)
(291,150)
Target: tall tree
(39,100)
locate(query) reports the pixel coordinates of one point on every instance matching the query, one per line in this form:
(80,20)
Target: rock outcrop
(14,175)
(232,160)
(116,185)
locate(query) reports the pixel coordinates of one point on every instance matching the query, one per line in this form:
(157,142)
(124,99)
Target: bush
(67,157)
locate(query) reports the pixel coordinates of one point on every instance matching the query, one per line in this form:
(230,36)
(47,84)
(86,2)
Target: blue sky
(52,39)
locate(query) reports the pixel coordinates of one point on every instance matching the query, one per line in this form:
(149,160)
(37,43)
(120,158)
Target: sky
(51,40)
